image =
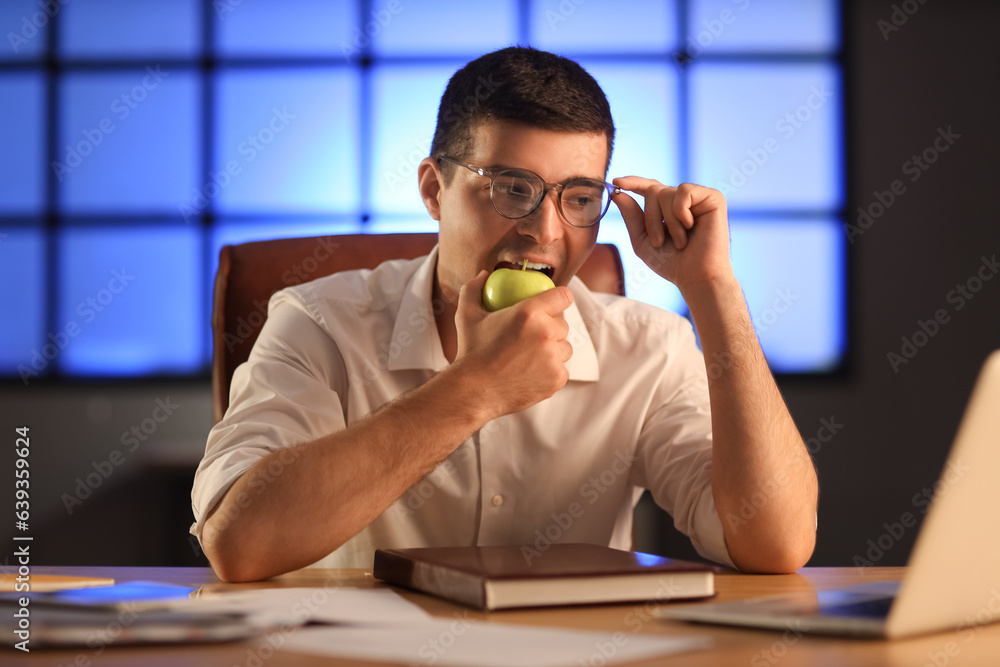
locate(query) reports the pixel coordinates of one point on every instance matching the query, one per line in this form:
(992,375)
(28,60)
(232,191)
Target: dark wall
(937,72)
(908,88)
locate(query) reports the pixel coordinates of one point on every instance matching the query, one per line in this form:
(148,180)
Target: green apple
(505,287)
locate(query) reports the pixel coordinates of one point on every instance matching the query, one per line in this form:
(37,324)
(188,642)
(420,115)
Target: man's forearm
(329,489)
(759,460)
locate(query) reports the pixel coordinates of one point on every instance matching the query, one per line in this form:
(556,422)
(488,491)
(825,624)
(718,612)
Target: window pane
(402,225)
(22,186)
(777,25)
(405,105)
(643,101)
(604,25)
(22,302)
(125,28)
(25,25)
(288,141)
(792,273)
(768,135)
(286,28)
(454,26)
(128,140)
(135,293)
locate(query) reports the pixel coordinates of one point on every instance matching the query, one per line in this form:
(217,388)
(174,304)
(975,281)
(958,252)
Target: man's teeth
(537,266)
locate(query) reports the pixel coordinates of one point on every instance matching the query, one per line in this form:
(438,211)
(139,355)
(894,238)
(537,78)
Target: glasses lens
(516,194)
(584,202)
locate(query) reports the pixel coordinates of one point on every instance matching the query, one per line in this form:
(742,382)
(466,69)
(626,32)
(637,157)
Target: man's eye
(514,188)
(581,198)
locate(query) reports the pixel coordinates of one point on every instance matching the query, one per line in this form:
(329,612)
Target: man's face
(473,236)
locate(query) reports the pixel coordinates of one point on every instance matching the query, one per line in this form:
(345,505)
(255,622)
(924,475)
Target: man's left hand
(682,233)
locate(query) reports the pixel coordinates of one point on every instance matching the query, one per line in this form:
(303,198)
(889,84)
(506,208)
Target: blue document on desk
(136,612)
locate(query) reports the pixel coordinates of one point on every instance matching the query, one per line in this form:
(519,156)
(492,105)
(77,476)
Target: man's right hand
(518,354)
(506,361)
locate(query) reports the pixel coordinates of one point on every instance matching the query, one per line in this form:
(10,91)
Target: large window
(142,136)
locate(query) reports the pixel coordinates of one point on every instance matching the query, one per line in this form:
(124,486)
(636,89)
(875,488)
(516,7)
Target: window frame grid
(51,221)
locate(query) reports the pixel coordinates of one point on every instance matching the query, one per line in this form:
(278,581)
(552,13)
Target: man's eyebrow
(495,167)
(498,167)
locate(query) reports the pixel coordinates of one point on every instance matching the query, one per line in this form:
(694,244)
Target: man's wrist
(711,290)
(459,388)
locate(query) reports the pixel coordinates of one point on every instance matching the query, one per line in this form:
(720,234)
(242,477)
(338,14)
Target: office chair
(250,273)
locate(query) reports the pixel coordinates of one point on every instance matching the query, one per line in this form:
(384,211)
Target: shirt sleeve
(674,452)
(291,390)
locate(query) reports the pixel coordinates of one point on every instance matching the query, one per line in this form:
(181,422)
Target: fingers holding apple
(513,337)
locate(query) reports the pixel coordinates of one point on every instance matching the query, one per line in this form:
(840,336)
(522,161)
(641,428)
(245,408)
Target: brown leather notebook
(501,577)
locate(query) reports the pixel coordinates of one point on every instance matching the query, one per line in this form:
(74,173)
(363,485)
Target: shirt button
(497,500)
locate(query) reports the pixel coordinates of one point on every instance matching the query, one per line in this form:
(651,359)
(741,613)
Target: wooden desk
(731,646)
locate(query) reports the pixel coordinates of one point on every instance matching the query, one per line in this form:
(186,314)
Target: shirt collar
(419,346)
(415,330)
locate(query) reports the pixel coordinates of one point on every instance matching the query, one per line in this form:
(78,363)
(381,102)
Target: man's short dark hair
(520,85)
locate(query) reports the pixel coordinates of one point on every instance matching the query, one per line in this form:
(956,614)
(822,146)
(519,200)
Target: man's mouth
(547,269)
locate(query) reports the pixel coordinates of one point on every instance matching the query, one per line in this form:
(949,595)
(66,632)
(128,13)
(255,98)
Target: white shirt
(634,415)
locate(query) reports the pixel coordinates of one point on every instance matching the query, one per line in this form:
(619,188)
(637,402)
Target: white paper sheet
(460,641)
(294,606)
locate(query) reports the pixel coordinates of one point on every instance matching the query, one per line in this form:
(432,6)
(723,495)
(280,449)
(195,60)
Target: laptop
(952,579)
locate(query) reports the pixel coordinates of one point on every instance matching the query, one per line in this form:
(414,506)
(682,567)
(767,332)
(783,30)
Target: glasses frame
(491,174)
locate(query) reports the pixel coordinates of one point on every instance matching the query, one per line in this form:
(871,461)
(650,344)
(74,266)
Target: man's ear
(430,181)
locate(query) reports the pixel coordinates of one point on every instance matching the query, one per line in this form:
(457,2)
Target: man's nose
(545,224)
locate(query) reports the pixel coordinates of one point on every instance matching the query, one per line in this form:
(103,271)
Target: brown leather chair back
(250,273)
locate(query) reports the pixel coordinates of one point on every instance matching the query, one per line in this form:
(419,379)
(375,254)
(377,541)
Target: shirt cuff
(708,537)
(213,482)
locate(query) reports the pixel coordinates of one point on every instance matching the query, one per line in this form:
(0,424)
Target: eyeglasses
(516,193)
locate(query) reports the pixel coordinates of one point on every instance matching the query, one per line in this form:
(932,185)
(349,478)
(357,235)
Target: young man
(540,422)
